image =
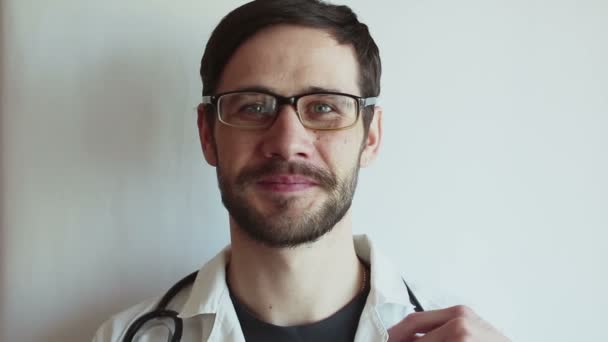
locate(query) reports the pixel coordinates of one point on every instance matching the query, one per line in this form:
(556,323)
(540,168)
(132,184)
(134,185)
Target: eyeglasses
(258,110)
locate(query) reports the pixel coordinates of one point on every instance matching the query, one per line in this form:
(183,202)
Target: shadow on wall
(120,109)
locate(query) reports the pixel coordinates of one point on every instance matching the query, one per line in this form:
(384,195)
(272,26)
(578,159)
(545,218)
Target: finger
(458,329)
(423,322)
(415,338)
(464,329)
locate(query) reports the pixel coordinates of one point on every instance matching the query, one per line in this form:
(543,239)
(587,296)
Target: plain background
(491,184)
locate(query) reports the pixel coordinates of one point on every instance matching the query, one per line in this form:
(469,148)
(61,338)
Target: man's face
(288,185)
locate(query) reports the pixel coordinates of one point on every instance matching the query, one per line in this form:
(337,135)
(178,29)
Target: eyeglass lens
(327,111)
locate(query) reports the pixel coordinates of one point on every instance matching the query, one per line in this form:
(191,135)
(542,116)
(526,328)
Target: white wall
(491,186)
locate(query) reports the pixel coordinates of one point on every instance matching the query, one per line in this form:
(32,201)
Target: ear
(206,136)
(371,145)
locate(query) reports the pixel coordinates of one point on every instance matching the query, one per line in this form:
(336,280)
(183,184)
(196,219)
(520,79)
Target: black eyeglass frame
(362,102)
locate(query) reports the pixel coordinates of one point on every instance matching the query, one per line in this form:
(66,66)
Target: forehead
(290,60)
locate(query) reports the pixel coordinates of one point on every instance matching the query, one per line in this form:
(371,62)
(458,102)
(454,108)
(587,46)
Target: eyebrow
(310,89)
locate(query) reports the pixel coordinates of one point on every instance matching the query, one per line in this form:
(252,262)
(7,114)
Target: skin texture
(456,324)
(303,282)
(307,282)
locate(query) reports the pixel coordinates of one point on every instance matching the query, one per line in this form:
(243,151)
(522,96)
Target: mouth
(286,183)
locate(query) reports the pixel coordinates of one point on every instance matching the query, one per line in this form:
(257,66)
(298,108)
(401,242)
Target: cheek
(340,152)
(232,153)
(324,140)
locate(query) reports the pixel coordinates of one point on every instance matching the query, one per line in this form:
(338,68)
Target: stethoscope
(161,311)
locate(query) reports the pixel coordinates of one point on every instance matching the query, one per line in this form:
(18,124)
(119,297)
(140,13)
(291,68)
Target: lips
(286,183)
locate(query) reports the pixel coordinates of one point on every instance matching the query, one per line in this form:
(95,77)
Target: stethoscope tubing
(161,310)
(156,314)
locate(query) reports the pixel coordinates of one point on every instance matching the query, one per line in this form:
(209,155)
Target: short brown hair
(245,21)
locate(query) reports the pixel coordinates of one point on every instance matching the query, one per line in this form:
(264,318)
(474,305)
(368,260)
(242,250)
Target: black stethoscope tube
(161,311)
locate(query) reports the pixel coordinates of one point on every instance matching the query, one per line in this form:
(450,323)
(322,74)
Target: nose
(287,138)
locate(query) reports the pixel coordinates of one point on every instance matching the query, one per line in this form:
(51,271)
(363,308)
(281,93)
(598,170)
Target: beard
(280,229)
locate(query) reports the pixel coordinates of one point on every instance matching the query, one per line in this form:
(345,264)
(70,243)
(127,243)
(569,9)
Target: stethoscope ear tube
(156,314)
(413,299)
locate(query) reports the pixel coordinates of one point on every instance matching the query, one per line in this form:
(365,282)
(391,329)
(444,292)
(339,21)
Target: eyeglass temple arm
(368,101)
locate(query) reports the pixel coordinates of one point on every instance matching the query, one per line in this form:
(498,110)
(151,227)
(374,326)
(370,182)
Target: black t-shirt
(339,327)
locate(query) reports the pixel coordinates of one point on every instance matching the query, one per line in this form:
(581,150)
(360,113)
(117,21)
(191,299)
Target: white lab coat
(209,315)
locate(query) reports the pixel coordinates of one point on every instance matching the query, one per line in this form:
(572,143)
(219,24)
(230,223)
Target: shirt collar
(209,294)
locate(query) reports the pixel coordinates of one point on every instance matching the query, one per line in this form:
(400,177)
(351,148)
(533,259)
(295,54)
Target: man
(287,120)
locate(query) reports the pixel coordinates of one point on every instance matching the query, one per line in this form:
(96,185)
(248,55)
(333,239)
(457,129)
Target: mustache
(323,177)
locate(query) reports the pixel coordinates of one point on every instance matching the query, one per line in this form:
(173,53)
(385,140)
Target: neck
(294,286)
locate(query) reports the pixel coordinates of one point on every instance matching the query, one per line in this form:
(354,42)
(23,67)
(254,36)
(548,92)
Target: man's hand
(454,324)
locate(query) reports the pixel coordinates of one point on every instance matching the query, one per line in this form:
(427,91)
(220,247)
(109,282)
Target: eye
(253,108)
(322,108)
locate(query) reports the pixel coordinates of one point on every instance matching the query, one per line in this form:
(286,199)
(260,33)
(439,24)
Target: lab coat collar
(387,285)
(210,294)
(210,290)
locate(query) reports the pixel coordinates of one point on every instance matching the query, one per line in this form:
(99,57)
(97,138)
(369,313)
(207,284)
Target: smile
(286,183)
